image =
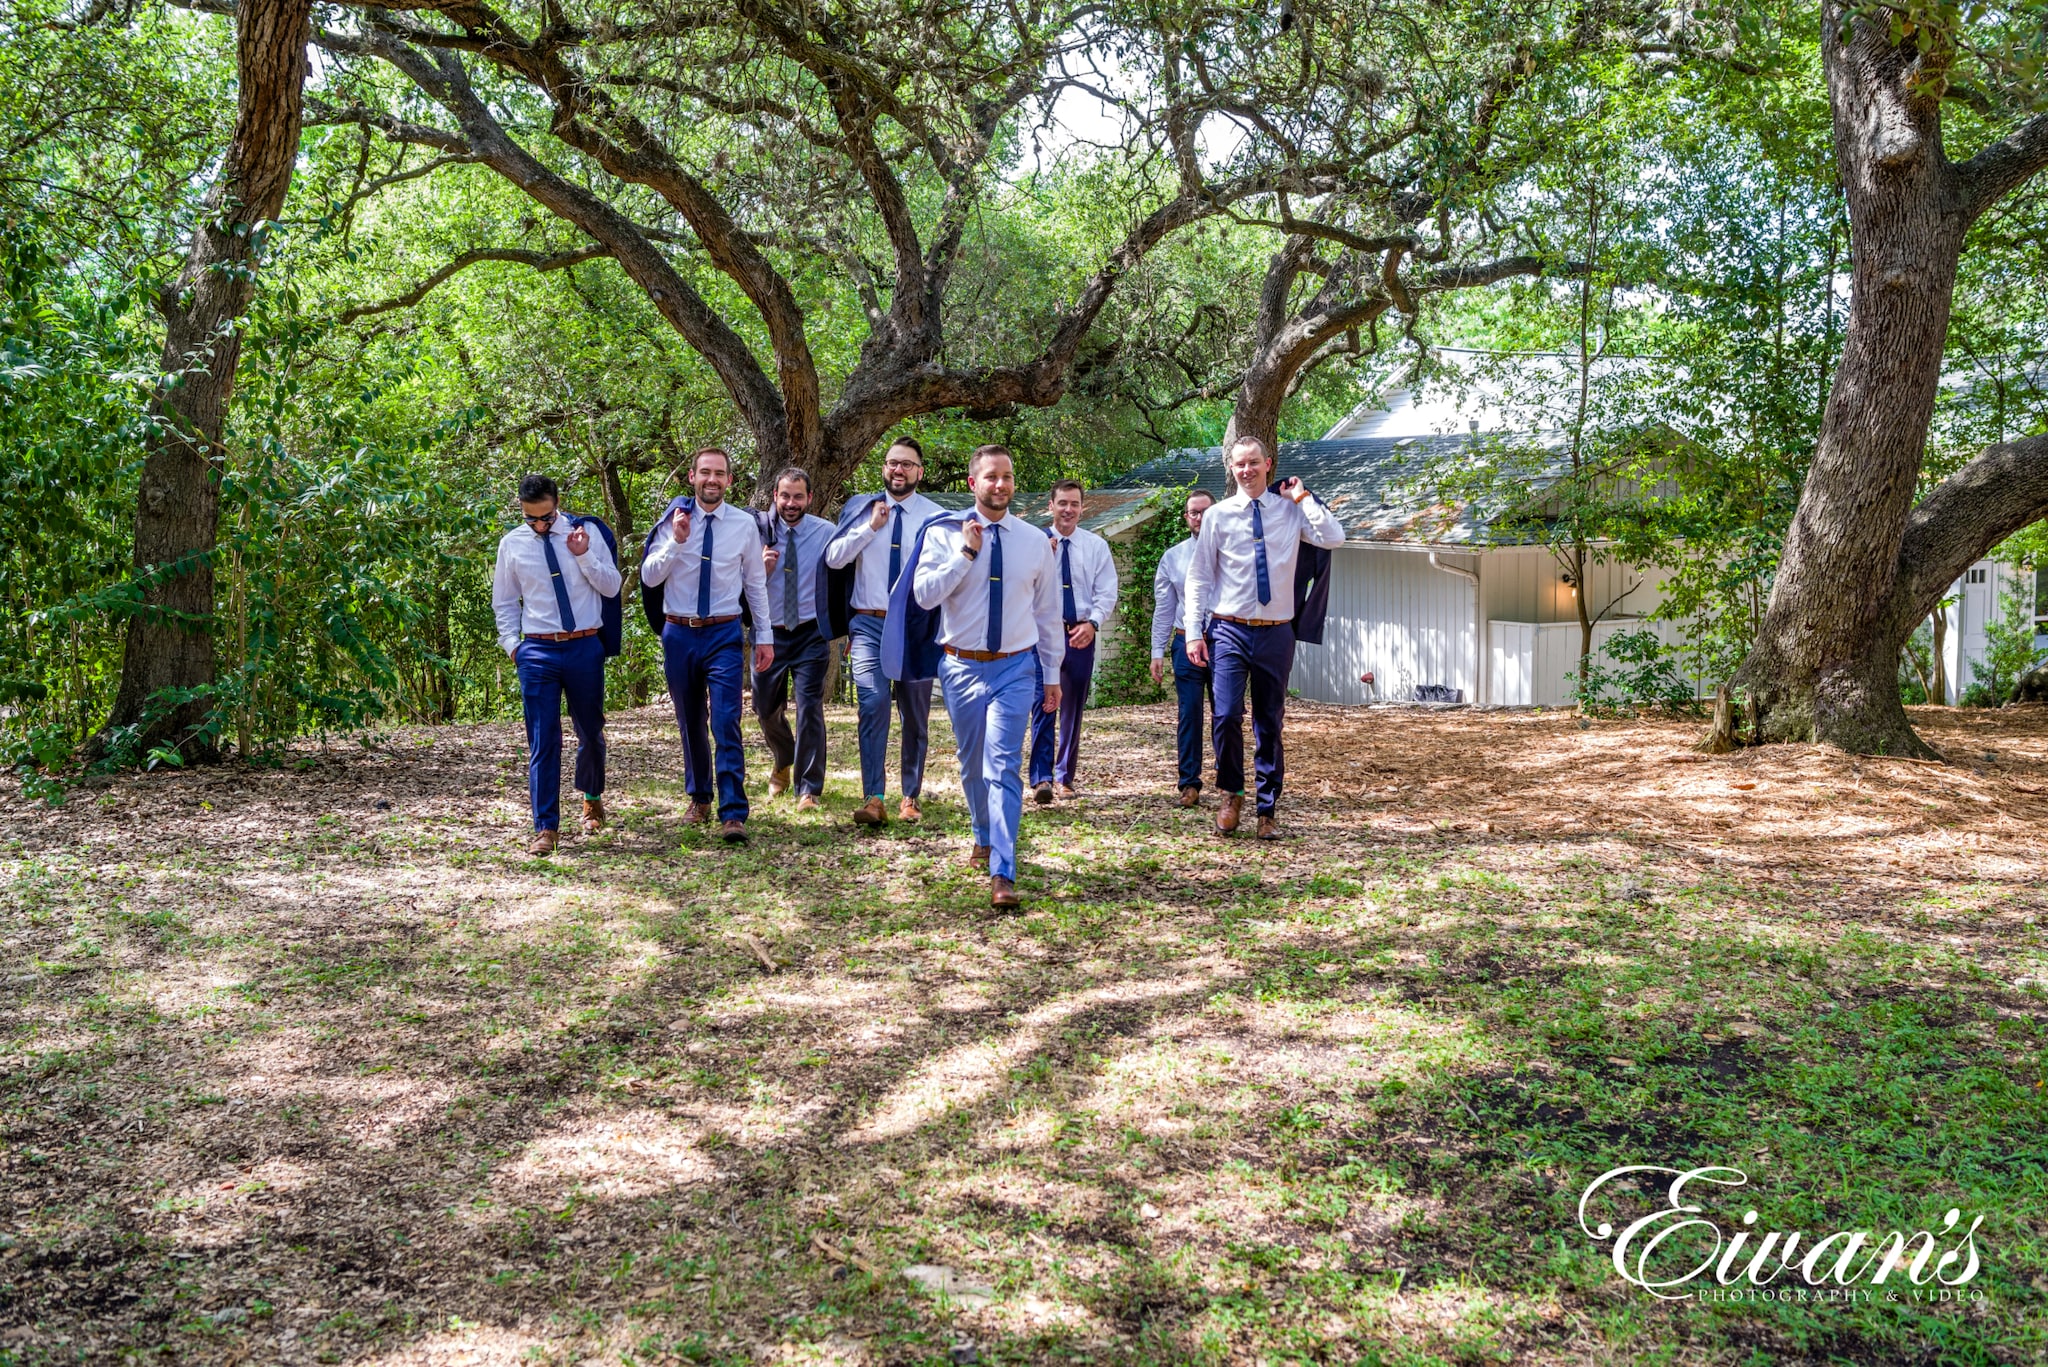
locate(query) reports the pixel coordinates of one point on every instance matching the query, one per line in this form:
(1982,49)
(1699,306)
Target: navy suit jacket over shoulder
(1311,593)
(910,637)
(835,587)
(651,595)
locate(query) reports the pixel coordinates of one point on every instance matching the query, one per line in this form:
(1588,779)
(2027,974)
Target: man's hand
(1198,653)
(1158,671)
(1052,697)
(679,526)
(970,537)
(1081,635)
(1292,488)
(878,516)
(579,540)
(771,557)
(763,657)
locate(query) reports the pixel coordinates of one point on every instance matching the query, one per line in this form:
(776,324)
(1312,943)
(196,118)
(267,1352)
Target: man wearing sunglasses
(548,593)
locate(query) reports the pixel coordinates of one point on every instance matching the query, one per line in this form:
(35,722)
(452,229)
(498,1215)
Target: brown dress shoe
(1066,790)
(733,832)
(908,810)
(779,781)
(1269,829)
(1042,794)
(1003,893)
(977,858)
(1190,796)
(593,815)
(543,843)
(697,813)
(870,813)
(807,803)
(1232,813)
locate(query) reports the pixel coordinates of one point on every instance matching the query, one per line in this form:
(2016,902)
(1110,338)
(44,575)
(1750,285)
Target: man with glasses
(865,558)
(548,593)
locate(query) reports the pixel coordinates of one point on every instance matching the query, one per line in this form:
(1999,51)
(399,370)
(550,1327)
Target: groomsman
(1190,681)
(1243,582)
(548,593)
(1088,591)
(864,561)
(802,649)
(981,608)
(704,554)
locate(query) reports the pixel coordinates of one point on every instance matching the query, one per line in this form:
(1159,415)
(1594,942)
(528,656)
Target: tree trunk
(1937,693)
(1824,664)
(167,668)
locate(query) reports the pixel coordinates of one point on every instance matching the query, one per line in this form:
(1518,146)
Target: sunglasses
(544,520)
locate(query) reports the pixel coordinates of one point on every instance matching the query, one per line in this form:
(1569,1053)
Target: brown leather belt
(1248,621)
(561,635)
(702,621)
(984,656)
(871,612)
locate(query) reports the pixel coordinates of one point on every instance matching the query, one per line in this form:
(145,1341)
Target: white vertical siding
(1394,614)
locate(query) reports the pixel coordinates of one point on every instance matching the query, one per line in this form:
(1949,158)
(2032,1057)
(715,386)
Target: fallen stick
(761,952)
(839,1255)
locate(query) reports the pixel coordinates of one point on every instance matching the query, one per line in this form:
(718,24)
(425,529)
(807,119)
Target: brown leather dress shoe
(733,832)
(1269,829)
(593,815)
(1003,893)
(543,843)
(870,813)
(977,858)
(1232,813)
(807,803)
(780,781)
(1190,796)
(1042,794)
(697,813)
(908,810)
(1066,790)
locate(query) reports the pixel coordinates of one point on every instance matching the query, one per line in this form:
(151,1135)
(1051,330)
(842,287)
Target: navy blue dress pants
(1255,660)
(548,672)
(800,659)
(704,666)
(1191,689)
(1077,673)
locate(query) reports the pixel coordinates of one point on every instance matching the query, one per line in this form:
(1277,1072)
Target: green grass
(292,1078)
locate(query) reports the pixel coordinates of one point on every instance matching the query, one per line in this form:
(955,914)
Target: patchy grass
(314,1065)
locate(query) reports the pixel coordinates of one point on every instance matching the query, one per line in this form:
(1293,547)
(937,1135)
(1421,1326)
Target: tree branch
(2006,164)
(2001,490)
(538,260)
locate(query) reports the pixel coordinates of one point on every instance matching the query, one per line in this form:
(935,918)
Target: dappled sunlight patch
(465,1346)
(612,1154)
(965,1075)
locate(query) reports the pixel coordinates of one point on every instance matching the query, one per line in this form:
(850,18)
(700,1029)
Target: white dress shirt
(800,547)
(522,596)
(1169,584)
(1095,586)
(958,588)
(1223,568)
(735,564)
(871,579)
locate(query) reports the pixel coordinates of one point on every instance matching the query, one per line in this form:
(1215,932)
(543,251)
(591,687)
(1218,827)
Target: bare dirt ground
(312,1064)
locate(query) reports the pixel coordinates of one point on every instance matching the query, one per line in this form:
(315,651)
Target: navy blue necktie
(1259,555)
(995,588)
(704,572)
(547,546)
(1067,583)
(896,549)
(789,558)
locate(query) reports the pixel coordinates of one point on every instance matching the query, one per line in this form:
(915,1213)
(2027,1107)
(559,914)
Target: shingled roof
(1369,482)
(1103,511)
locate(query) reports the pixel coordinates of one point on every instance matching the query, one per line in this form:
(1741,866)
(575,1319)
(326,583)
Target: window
(1974,577)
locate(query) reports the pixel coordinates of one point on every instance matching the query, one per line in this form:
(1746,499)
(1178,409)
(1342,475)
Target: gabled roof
(1366,481)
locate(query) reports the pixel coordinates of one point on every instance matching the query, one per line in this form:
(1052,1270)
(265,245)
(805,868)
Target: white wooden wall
(1977,596)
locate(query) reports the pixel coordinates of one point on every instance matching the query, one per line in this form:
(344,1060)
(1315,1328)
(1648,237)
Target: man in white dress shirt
(1169,639)
(994,583)
(1088,591)
(801,647)
(873,538)
(547,593)
(703,556)
(1241,583)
